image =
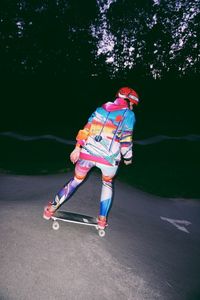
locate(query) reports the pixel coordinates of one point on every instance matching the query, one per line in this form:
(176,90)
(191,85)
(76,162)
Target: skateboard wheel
(55,225)
(101,232)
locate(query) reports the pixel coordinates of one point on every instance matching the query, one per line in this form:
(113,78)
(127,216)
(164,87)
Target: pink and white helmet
(128,93)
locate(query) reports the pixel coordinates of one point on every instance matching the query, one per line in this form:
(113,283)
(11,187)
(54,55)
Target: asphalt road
(151,249)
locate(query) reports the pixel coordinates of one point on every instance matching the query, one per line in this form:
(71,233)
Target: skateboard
(77,219)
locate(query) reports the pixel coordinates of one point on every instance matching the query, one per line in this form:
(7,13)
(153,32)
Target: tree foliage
(152,38)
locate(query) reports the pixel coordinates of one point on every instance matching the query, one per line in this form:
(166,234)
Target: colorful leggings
(81,170)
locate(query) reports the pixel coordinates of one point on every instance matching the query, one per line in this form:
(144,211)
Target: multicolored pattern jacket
(108,134)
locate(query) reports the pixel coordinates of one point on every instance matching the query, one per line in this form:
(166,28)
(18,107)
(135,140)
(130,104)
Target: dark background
(52,77)
(62,106)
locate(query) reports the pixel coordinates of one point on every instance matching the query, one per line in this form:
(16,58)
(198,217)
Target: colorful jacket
(108,134)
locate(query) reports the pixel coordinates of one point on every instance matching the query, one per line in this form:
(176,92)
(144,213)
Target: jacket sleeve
(83,134)
(126,140)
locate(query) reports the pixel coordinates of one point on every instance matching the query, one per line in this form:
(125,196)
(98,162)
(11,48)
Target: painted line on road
(178,223)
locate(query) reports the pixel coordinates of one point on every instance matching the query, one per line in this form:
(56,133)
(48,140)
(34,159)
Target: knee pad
(107,179)
(79,178)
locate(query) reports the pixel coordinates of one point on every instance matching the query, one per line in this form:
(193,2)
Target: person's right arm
(81,139)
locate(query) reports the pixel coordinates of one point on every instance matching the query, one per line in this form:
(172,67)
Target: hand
(128,162)
(74,156)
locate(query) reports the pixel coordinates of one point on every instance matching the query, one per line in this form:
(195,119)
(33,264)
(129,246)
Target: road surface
(151,249)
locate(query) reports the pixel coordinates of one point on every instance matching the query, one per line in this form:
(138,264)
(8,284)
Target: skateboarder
(101,143)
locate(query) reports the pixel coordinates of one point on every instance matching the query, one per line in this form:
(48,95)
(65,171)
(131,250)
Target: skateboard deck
(71,217)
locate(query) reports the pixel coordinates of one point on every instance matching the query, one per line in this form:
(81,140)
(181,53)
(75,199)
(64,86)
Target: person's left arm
(126,140)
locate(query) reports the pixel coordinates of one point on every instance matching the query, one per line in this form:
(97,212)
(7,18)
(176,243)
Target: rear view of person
(102,143)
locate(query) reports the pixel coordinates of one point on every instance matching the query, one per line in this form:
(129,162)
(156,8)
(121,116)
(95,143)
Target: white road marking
(178,223)
(85,220)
